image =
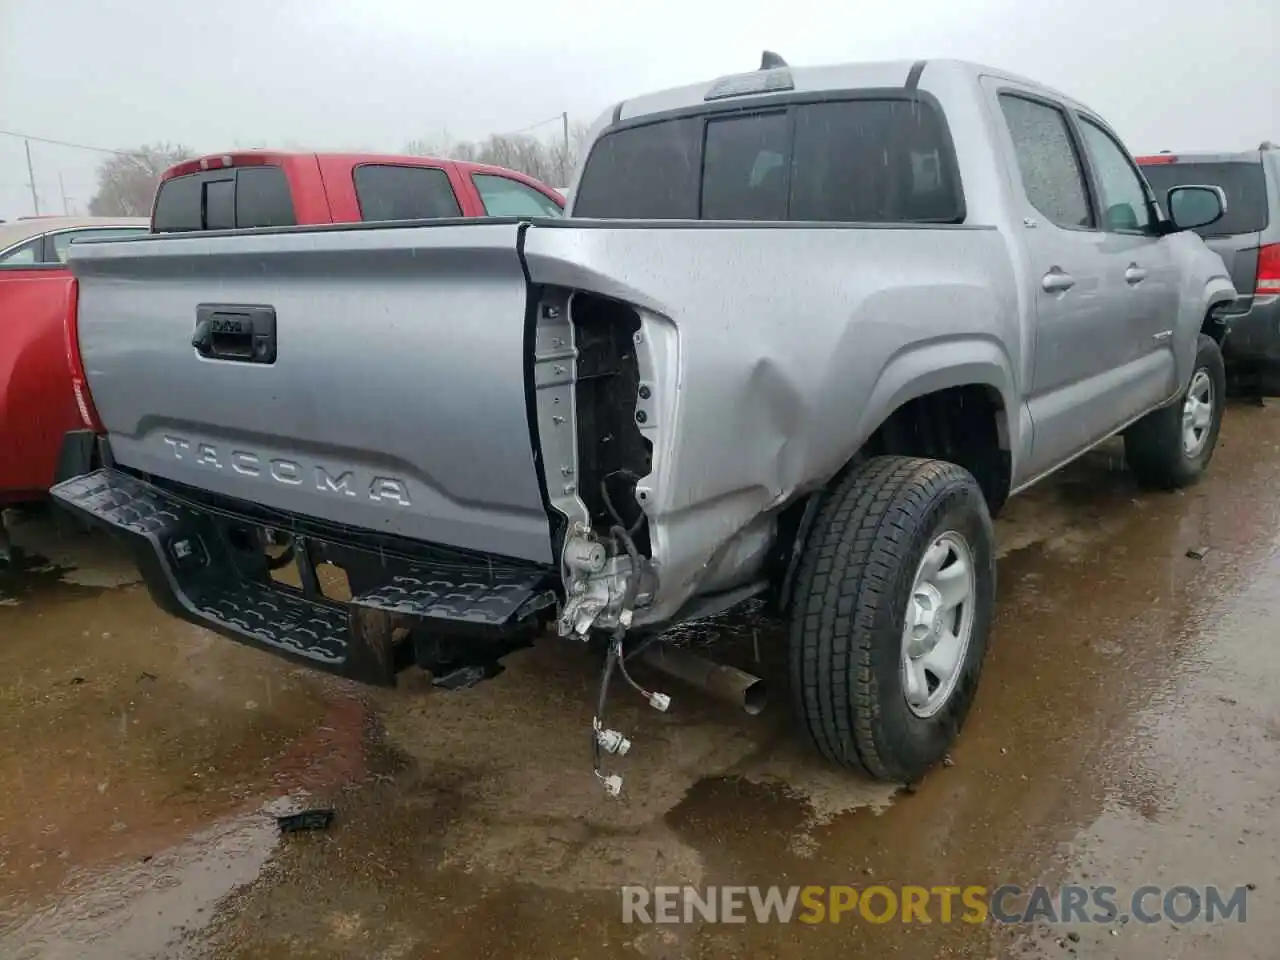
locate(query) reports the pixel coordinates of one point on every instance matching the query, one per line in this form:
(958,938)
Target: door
(1080,359)
(1139,269)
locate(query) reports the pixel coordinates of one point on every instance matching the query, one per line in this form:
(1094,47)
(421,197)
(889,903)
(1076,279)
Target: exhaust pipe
(729,684)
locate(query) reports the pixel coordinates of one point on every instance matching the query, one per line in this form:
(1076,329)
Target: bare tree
(543,159)
(127,180)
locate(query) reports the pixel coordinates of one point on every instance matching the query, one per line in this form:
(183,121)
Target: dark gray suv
(1248,240)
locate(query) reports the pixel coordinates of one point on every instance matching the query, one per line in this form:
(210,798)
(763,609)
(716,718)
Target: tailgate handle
(241,333)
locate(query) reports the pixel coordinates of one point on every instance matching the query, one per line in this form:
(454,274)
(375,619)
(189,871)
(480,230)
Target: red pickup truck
(255,188)
(261,188)
(37,296)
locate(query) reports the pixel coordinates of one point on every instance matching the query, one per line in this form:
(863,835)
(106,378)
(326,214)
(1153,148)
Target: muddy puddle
(1127,712)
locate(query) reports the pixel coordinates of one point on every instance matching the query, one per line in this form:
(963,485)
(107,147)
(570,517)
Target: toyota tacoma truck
(801,335)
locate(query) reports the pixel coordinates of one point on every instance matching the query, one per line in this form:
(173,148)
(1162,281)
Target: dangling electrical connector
(603,739)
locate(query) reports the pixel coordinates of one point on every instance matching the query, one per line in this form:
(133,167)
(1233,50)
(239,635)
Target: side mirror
(1195,206)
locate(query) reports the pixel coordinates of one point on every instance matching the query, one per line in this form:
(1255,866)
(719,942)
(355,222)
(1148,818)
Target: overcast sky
(1178,74)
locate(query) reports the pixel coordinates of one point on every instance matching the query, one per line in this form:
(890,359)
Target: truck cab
(262,188)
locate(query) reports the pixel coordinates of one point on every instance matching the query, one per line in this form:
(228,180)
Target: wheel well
(1215,323)
(965,425)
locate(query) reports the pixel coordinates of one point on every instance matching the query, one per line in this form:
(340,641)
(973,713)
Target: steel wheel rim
(1197,413)
(938,624)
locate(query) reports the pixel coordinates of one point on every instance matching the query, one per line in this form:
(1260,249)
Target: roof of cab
(845,76)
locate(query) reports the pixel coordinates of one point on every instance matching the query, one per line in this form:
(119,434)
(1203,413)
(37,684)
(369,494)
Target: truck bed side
(397,400)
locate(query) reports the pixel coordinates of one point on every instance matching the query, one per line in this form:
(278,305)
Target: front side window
(1052,175)
(504,197)
(1124,197)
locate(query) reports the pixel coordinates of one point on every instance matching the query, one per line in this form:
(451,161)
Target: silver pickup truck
(803,333)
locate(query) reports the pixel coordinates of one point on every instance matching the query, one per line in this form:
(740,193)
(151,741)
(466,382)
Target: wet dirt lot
(1127,732)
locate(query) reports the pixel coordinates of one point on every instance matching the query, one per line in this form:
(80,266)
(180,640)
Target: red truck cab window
(226,199)
(387,191)
(505,197)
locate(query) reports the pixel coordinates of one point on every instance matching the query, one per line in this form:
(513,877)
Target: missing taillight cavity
(613,455)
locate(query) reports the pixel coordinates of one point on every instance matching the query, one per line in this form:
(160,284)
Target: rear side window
(235,199)
(390,192)
(1245,185)
(865,160)
(1051,172)
(504,197)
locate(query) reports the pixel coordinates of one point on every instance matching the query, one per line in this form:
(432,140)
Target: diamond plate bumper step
(192,572)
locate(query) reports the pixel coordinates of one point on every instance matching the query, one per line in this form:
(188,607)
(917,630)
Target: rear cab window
(860,160)
(387,191)
(1244,183)
(235,198)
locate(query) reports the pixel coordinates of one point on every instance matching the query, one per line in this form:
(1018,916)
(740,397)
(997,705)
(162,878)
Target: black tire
(855,577)
(1153,446)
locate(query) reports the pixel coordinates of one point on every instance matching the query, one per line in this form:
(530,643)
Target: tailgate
(373,377)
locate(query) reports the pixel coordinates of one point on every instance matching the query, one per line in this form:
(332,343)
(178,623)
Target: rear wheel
(1171,447)
(890,615)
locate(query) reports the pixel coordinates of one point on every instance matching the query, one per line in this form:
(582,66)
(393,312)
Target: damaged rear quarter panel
(776,350)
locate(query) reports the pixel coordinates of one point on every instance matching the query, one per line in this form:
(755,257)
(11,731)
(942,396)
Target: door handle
(1055,281)
(241,334)
(1134,275)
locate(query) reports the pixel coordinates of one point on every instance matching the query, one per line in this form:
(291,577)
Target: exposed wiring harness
(602,738)
(608,501)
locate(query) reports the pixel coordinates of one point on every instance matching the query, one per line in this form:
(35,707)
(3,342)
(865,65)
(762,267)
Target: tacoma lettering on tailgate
(291,473)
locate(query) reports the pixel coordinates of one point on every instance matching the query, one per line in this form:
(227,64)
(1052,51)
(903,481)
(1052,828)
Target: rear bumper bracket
(191,570)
